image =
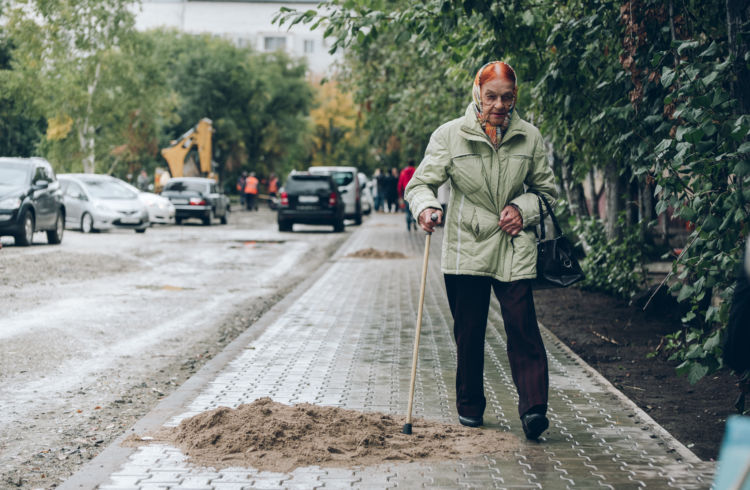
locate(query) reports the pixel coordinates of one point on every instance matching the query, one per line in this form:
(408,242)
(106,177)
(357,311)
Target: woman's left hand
(511,221)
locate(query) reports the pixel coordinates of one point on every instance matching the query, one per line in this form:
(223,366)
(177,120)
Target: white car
(368,201)
(160,209)
(347,180)
(101,202)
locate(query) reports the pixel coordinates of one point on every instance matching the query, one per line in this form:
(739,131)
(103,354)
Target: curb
(686,454)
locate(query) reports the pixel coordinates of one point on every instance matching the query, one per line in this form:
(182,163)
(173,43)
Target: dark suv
(30,200)
(310,199)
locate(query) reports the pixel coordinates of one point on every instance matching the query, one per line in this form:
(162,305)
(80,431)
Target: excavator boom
(199,136)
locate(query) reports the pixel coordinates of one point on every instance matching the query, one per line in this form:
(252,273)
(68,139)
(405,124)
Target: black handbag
(556,266)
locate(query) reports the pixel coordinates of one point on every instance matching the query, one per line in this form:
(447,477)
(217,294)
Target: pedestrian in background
(241,187)
(142,181)
(493,160)
(403,180)
(251,192)
(273,190)
(377,196)
(382,186)
(391,191)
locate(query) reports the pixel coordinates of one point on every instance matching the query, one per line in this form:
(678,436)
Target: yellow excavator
(199,137)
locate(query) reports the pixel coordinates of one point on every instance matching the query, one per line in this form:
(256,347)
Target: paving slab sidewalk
(344,338)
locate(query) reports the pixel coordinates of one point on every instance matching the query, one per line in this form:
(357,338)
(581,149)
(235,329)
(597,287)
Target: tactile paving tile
(348,342)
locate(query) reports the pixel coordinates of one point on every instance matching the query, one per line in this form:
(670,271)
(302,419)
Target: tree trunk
(647,209)
(633,204)
(738,13)
(573,190)
(614,189)
(86,131)
(594,209)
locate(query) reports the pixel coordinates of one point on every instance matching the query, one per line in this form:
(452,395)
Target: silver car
(101,202)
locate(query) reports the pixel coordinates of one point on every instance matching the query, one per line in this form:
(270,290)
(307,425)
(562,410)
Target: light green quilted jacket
(483,181)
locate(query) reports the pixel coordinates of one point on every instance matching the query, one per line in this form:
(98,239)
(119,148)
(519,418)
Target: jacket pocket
(483,224)
(467,173)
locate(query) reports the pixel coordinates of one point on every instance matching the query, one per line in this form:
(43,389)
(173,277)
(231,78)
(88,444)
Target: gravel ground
(43,442)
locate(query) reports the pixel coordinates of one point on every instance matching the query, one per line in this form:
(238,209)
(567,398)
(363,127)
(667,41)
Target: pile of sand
(274,437)
(371,253)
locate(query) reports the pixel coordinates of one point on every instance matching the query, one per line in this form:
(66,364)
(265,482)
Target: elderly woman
(494,160)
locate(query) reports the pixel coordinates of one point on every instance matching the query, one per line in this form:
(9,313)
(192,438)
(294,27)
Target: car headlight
(104,207)
(10,203)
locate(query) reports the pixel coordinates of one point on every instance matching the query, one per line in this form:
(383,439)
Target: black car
(197,197)
(310,199)
(30,200)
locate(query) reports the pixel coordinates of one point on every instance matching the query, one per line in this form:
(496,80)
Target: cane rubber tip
(407,429)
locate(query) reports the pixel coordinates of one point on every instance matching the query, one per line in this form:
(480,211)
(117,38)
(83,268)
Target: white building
(246,22)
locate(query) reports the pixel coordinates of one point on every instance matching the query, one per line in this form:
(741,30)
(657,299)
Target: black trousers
(469,300)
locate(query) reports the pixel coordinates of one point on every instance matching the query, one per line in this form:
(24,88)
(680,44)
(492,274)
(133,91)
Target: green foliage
(21,121)
(641,89)
(259,103)
(699,157)
(613,266)
(81,87)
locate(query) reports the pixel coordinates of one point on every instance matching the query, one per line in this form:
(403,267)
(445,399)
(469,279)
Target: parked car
(197,197)
(101,202)
(160,209)
(30,200)
(368,201)
(347,180)
(310,199)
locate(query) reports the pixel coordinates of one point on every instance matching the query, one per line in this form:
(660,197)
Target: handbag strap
(541,199)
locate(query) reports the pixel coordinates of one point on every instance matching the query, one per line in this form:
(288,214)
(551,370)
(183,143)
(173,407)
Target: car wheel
(358,217)
(55,236)
(224,218)
(87,223)
(338,226)
(141,230)
(26,235)
(208,219)
(178,221)
(285,225)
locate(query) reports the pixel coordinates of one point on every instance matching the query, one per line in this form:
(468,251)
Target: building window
(274,43)
(309,46)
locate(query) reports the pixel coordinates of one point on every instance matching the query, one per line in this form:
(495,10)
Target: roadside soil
(615,338)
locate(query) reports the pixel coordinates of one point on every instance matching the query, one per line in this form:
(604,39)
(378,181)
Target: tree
(21,120)
(339,135)
(259,103)
(646,95)
(79,54)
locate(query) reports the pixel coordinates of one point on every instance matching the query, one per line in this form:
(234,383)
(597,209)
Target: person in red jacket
(403,179)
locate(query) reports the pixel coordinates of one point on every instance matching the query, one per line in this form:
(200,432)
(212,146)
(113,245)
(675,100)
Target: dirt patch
(271,436)
(371,253)
(615,338)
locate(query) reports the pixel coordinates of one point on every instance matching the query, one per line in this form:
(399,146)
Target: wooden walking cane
(415,355)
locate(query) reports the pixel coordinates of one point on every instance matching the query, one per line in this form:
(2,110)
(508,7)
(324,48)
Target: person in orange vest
(273,189)
(251,192)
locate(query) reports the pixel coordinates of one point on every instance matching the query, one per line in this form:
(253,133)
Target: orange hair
(498,69)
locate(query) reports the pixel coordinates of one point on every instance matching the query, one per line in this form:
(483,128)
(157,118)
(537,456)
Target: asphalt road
(93,332)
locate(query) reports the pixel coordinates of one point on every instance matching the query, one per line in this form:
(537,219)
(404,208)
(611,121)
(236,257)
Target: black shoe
(534,424)
(470,421)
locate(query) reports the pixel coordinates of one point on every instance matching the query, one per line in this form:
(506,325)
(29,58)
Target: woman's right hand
(425,219)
